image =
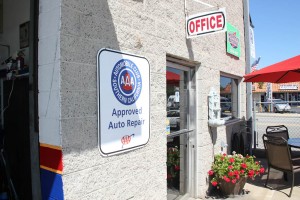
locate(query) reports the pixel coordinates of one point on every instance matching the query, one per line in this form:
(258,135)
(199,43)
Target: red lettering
(212,22)
(197,24)
(202,23)
(219,21)
(192,27)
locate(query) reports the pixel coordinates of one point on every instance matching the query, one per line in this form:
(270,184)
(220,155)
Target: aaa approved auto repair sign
(123,101)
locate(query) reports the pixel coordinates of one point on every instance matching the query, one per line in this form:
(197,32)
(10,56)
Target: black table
(294,142)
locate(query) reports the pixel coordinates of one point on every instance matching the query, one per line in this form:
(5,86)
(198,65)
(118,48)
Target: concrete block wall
(150,28)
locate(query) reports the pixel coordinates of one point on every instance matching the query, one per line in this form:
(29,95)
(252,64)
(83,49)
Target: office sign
(233,41)
(123,101)
(206,23)
(288,87)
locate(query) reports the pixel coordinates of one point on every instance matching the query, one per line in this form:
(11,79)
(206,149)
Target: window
(228,97)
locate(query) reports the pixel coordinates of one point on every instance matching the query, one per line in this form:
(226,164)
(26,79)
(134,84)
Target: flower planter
(229,188)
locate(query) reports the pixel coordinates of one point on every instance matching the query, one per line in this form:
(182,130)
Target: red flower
(230,167)
(233,181)
(243,165)
(251,173)
(242,171)
(224,154)
(225,178)
(237,176)
(176,167)
(262,170)
(210,172)
(231,160)
(230,173)
(214,183)
(236,172)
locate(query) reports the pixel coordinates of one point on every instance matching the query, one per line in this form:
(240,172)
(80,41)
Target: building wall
(149,28)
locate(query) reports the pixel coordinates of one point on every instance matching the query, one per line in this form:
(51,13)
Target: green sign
(233,41)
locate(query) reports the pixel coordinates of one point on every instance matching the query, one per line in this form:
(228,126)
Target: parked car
(278,105)
(174,118)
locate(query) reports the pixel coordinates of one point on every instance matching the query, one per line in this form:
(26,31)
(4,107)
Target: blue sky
(276,29)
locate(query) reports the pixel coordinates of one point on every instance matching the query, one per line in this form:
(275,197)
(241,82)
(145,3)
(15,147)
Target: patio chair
(279,157)
(280,131)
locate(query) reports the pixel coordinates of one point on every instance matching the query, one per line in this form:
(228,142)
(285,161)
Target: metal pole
(249,106)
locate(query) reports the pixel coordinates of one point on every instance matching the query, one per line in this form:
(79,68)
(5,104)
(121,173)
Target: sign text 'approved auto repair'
(206,23)
(123,101)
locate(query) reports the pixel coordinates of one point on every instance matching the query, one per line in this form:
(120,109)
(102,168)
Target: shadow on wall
(86,27)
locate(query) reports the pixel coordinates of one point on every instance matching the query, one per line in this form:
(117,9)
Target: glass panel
(177,81)
(177,114)
(228,97)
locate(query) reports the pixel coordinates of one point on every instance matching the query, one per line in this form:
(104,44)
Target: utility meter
(214,109)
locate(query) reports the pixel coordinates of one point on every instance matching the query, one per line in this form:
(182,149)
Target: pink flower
(210,172)
(214,183)
(230,167)
(233,181)
(225,178)
(243,165)
(262,170)
(251,173)
(231,160)
(230,173)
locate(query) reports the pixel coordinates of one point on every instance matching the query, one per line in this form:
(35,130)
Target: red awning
(282,72)
(171,76)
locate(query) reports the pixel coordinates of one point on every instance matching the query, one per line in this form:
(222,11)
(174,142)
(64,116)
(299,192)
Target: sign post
(123,87)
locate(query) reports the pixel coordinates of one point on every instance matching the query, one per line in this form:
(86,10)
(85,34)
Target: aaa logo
(126,81)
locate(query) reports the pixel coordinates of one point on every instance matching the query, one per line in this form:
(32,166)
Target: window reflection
(177,81)
(228,97)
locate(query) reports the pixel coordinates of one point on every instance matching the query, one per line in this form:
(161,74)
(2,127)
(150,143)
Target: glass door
(178,108)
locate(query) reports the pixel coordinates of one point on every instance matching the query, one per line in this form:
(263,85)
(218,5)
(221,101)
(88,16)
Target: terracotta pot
(232,188)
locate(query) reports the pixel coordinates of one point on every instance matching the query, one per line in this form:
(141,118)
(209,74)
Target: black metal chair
(279,131)
(279,157)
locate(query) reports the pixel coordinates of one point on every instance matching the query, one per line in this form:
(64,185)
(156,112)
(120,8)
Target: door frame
(191,153)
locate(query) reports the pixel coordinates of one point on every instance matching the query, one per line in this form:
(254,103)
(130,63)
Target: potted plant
(230,172)
(173,160)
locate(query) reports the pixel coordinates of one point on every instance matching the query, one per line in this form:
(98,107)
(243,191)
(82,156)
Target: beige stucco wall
(150,28)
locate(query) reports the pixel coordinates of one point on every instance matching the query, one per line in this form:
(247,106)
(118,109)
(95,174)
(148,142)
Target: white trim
(206,4)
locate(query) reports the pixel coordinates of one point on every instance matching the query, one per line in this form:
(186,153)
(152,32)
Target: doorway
(18,91)
(180,107)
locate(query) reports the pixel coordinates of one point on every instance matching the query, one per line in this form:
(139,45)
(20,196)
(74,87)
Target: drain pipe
(249,108)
